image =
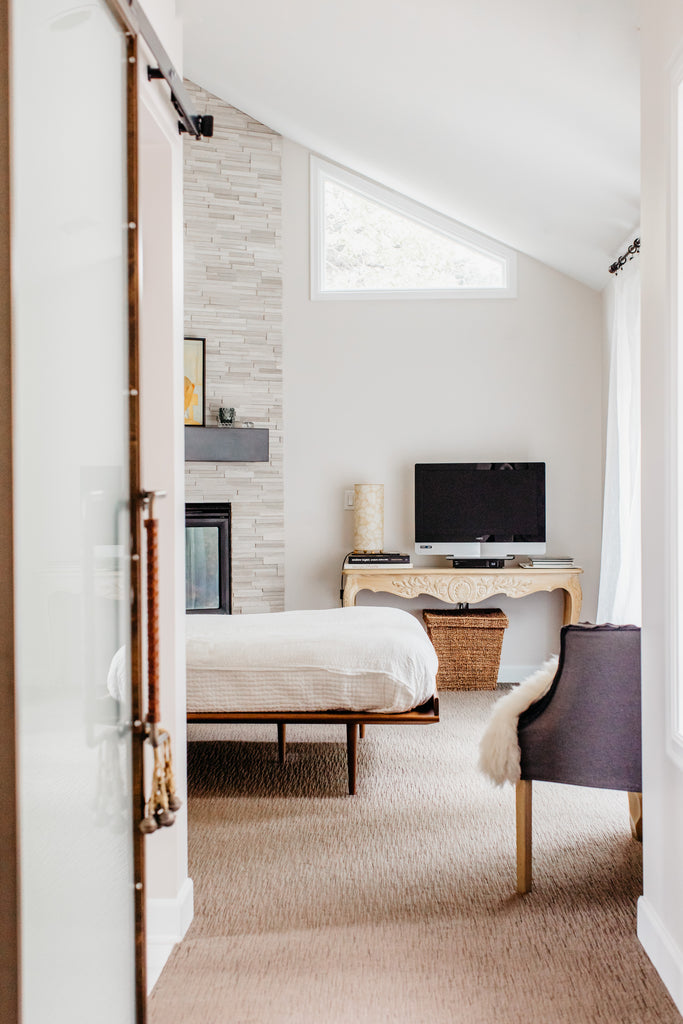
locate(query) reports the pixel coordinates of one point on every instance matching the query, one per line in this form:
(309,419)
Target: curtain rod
(632,251)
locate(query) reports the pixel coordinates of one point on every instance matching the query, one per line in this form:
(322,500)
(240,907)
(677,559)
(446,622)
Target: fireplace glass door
(207,558)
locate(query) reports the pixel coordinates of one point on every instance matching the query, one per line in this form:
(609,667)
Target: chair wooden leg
(351,743)
(281,741)
(635,810)
(523,807)
(361,731)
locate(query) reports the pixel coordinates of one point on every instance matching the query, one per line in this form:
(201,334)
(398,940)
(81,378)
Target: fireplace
(208,589)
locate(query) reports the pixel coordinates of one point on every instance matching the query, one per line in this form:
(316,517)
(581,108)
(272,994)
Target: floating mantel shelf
(226,444)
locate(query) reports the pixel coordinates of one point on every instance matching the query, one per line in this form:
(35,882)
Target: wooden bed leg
(523,802)
(351,737)
(361,731)
(281,742)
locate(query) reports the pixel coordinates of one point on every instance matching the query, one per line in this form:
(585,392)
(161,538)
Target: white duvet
(350,659)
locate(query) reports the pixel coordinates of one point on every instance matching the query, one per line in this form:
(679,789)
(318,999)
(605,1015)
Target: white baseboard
(662,950)
(515,673)
(167,923)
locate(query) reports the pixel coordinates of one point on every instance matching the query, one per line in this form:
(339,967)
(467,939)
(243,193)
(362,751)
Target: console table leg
(281,742)
(572,602)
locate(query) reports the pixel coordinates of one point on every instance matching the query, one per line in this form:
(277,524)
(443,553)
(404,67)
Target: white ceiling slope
(518,119)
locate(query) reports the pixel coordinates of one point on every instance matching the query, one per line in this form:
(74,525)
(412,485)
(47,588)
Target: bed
(353,666)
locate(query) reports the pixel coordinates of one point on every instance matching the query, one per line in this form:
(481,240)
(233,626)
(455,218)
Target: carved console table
(467,586)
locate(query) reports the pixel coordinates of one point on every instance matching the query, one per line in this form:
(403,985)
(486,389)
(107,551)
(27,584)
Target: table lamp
(368,518)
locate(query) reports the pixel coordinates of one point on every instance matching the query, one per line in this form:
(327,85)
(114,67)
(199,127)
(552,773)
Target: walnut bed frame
(355,722)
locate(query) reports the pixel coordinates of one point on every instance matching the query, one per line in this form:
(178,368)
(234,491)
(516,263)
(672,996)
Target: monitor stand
(477,563)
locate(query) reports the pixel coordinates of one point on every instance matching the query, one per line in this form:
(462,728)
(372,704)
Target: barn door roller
(137,22)
(202,124)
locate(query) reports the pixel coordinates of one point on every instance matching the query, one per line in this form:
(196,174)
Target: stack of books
(380,559)
(546,562)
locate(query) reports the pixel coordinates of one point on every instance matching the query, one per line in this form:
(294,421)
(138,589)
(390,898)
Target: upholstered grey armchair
(585,731)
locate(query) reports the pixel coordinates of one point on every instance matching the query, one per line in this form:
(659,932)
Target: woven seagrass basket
(468,645)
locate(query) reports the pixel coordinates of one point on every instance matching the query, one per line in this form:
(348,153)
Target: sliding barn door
(72,512)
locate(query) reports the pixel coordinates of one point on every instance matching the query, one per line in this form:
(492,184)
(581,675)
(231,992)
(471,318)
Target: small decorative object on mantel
(226,416)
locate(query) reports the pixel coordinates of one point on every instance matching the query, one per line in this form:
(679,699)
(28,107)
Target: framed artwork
(194,356)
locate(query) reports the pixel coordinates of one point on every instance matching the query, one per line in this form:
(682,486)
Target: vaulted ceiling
(518,119)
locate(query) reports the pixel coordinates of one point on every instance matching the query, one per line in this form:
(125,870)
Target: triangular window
(370,242)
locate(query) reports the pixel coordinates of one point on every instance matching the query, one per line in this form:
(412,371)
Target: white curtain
(619,599)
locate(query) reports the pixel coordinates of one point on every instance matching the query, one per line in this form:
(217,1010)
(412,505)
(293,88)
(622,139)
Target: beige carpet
(398,905)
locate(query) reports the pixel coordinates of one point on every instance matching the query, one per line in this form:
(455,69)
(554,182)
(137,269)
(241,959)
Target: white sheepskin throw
(499,749)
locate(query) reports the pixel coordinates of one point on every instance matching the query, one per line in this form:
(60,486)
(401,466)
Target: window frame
(322,171)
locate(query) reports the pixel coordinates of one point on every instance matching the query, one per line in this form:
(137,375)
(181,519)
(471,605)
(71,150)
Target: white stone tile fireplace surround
(233,299)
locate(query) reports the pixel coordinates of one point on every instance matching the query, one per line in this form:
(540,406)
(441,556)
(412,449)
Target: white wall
(660,910)
(372,387)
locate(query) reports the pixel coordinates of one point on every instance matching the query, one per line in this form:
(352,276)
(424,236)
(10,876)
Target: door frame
(9,857)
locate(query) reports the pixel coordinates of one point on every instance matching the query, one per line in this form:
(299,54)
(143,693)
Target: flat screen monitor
(480,509)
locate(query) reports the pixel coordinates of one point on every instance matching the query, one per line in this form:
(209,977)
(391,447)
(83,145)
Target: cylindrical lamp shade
(368,518)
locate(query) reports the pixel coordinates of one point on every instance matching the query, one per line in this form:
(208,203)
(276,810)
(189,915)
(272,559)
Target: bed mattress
(340,659)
